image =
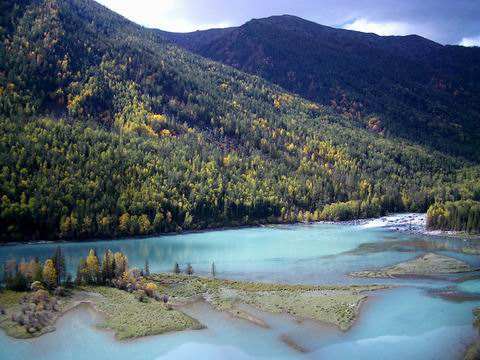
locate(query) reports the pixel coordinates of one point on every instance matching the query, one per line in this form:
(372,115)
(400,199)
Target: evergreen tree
(107,266)
(59,264)
(176,269)
(81,272)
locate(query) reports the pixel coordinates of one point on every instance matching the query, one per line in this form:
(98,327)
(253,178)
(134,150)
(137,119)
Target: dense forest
(400,86)
(457,215)
(108,130)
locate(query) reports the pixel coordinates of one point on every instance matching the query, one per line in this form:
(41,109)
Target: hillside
(108,130)
(400,86)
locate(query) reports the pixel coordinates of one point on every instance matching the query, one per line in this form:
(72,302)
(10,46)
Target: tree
(176,269)
(37,270)
(18,282)
(82,272)
(49,274)
(59,264)
(121,264)
(93,268)
(144,224)
(108,263)
(123,223)
(10,268)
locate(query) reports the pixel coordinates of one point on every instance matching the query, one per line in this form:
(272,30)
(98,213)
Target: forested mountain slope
(108,130)
(401,86)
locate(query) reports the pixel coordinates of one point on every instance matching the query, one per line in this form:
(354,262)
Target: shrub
(150,289)
(17,283)
(59,291)
(36,285)
(141,296)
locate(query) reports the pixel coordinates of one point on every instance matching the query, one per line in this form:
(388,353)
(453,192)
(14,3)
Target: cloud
(379,28)
(183,25)
(470,41)
(444,21)
(168,15)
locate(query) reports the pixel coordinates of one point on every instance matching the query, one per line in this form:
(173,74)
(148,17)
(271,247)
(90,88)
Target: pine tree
(81,272)
(37,270)
(59,264)
(107,266)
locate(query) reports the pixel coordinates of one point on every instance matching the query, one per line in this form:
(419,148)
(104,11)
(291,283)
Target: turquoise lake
(404,322)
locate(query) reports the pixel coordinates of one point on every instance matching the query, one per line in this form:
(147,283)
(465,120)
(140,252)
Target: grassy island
(426,265)
(135,303)
(336,305)
(129,317)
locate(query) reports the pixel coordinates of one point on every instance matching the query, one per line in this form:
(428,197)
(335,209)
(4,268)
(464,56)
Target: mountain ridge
(405,86)
(108,130)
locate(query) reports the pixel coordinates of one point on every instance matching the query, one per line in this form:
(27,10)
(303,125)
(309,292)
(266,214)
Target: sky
(444,21)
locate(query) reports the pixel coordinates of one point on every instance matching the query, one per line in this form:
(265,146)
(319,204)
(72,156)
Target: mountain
(401,86)
(107,130)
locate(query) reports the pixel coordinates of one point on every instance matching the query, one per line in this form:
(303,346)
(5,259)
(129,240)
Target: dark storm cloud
(441,20)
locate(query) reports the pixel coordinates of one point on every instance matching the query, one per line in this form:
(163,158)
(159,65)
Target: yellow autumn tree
(93,267)
(49,274)
(144,224)
(123,223)
(121,264)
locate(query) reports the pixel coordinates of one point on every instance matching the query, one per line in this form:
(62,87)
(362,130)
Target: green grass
(10,302)
(337,305)
(130,318)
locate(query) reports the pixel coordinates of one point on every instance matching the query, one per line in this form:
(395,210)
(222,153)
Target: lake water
(405,322)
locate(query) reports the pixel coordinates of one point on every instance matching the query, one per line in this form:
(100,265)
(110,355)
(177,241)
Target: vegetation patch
(337,305)
(130,318)
(136,303)
(26,315)
(425,265)
(473,351)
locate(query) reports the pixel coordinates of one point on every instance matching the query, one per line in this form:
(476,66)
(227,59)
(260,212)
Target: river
(404,322)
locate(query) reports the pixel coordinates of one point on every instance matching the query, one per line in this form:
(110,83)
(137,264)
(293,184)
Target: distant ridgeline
(108,130)
(400,86)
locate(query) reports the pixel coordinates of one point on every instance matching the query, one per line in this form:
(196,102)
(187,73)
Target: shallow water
(470,286)
(401,323)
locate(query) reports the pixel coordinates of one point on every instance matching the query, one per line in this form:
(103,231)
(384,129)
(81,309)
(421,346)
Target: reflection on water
(433,328)
(470,286)
(406,322)
(423,243)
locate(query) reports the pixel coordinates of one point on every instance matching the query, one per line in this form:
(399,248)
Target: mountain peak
(354,71)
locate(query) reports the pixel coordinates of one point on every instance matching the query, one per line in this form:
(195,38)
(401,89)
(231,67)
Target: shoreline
(129,318)
(413,228)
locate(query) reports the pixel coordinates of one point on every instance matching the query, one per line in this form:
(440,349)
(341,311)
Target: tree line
(108,131)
